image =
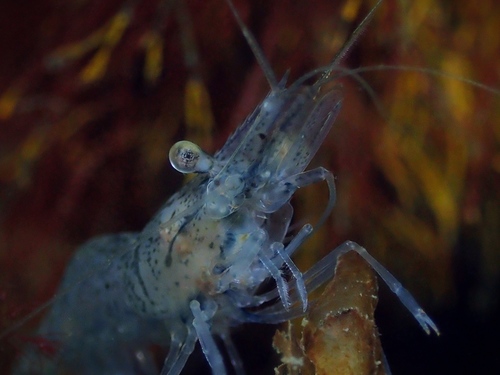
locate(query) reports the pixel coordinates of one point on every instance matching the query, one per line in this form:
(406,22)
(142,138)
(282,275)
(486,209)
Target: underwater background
(93,94)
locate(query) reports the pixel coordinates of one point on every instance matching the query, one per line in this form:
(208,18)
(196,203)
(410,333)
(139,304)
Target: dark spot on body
(168,260)
(218,269)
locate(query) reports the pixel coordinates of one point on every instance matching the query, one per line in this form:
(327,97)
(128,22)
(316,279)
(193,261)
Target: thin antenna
(257,51)
(350,42)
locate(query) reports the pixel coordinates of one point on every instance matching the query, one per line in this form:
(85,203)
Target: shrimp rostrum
(197,269)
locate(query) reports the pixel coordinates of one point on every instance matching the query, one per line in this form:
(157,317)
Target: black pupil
(187,155)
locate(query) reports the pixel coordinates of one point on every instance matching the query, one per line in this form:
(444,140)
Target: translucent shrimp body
(202,258)
(195,270)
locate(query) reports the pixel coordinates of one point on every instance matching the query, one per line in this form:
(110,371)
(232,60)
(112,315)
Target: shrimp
(198,268)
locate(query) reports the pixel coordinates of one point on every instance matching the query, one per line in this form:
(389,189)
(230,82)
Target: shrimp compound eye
(186,157)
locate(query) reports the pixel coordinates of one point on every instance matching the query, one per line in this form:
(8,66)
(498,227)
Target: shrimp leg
(202,326)
(324,270)
(234,356)
(313,176)
(404,296)
(181,347)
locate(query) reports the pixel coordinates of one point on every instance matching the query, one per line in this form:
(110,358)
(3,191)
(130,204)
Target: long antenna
(350,42)
(257,51)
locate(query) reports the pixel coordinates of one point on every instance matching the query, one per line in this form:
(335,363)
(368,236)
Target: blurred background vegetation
(93,94)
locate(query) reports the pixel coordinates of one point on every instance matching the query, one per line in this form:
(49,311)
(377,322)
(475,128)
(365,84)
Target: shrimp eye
(186,157)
